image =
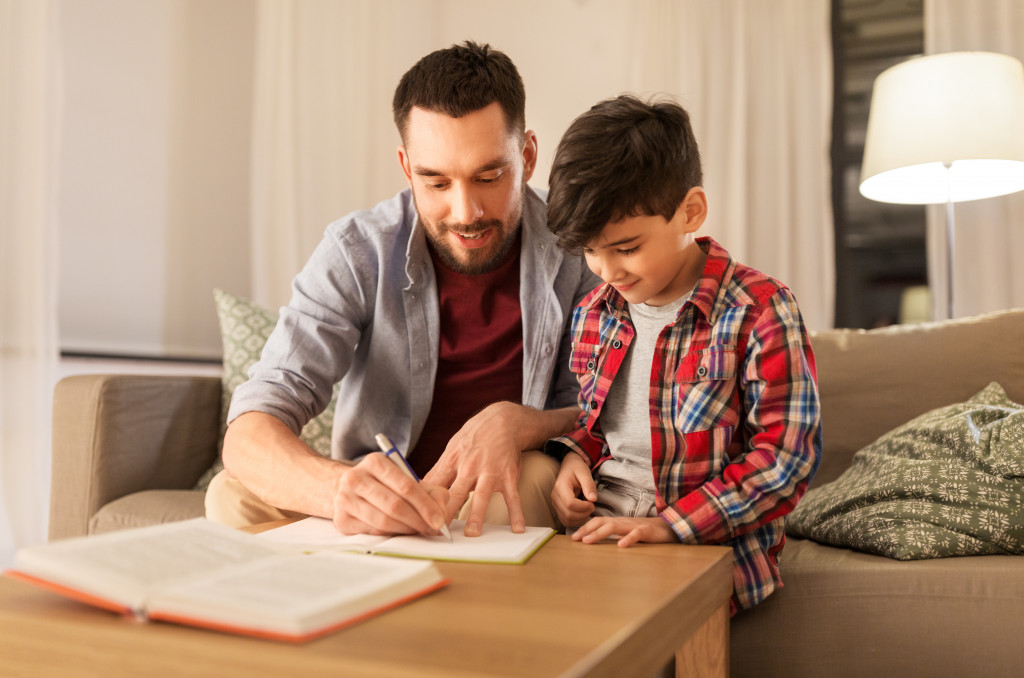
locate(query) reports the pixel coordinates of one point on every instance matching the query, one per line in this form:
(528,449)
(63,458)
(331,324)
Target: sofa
(127,451)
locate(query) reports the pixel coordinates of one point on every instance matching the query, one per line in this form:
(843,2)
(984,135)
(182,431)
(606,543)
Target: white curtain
(989,234)
(324,76)
(28,338)
(755,75)
(756,78)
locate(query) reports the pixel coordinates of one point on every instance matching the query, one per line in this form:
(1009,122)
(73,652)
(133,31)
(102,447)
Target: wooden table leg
(706,654)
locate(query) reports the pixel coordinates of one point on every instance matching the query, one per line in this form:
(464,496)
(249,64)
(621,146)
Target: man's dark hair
(459,80)
(624,157)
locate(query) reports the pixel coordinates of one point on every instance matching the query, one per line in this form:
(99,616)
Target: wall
(153,197)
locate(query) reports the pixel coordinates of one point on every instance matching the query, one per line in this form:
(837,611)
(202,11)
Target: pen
(392,453)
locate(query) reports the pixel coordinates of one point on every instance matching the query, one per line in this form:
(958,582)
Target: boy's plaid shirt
(735,422)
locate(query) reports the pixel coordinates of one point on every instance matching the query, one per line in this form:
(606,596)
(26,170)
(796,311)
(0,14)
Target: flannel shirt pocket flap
(584,357)
(710,364)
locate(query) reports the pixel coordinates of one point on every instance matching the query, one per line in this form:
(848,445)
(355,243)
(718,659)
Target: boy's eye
(629,251)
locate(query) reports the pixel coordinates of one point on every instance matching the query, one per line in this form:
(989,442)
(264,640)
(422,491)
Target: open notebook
(203,574)
(496,543)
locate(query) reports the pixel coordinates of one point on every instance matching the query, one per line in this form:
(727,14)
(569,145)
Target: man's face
(468,177)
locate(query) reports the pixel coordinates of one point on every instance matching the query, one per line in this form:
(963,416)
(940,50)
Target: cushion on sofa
(872,381)
(847,614)
(244,329)
(947,483)
(149,507)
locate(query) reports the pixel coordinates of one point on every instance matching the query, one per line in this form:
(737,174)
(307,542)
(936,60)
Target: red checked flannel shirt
(735,423)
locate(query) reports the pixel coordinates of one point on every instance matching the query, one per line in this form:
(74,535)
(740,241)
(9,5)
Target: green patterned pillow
(244,329)
(948,483)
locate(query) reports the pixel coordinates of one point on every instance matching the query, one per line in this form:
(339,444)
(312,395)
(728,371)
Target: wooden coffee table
(572,610)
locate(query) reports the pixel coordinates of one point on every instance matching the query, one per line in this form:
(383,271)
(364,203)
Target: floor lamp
(944,129)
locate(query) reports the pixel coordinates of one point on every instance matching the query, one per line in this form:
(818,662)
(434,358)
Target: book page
(319,534)
(127,566)
(496,544)
(295,594)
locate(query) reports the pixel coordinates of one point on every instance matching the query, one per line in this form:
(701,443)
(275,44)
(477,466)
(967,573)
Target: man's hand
(484,457)
(630,530)
(376,497)
(574,478)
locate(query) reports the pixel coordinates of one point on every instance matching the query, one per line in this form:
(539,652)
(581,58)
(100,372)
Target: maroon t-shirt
(481,351)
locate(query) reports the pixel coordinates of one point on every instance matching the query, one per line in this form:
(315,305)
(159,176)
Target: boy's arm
(783,436)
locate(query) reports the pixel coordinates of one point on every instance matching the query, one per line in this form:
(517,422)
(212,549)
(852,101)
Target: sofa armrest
(118,434)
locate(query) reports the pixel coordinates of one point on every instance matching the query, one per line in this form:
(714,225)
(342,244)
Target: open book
(203,574)
(496,543)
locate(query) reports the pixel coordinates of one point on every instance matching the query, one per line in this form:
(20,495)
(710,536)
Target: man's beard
(445,250)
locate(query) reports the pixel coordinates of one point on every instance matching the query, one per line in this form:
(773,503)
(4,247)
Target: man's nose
(466,206)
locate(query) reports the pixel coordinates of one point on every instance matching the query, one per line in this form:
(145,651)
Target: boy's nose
(604,269)
(466,208)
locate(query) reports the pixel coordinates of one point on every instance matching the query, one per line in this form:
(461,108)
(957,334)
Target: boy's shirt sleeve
(781,429)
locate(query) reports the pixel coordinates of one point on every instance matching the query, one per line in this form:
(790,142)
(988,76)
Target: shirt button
(702,371)
(593,404)
(590,365)
(616,344)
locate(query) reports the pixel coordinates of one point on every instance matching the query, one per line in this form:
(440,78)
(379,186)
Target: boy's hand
(630,530)
(573,479)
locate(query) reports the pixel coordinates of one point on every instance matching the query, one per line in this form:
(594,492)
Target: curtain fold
(324,77)
(29,88)
(757,80)
(989,234)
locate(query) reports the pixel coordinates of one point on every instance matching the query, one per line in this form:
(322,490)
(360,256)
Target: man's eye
(440,185)
(629,251)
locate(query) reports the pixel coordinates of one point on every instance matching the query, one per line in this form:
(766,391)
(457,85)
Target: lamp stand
(950,222)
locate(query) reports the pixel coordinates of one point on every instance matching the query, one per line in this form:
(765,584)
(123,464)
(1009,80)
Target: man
(443,312)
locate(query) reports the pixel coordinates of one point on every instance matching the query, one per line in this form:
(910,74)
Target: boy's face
(468,177)
(648,259)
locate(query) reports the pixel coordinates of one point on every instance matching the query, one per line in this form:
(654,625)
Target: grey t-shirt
(626,419)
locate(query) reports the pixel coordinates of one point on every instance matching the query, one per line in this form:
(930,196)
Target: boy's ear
(693,209)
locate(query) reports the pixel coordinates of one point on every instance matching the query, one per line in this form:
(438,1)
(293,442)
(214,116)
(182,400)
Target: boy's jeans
(615,498)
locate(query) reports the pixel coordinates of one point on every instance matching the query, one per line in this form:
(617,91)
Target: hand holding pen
(392,453)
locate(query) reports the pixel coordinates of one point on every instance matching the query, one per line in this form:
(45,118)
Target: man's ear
(529,154)
(693,210)
(403,161)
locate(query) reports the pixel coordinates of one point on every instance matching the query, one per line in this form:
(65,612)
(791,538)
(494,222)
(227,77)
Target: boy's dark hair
(459,80)
(624,157)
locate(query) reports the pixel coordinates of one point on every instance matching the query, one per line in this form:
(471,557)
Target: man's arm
(484,457)
(372,497)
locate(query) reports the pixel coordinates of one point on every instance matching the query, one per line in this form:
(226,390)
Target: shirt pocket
(706,389)
(583,362)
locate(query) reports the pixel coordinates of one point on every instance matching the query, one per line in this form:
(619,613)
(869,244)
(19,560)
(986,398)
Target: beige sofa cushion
(149,507)
(872,381)
(846,614)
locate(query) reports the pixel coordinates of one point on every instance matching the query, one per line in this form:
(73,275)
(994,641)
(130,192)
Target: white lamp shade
(946,128)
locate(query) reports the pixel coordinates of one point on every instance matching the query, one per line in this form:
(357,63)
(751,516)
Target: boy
(700,417)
